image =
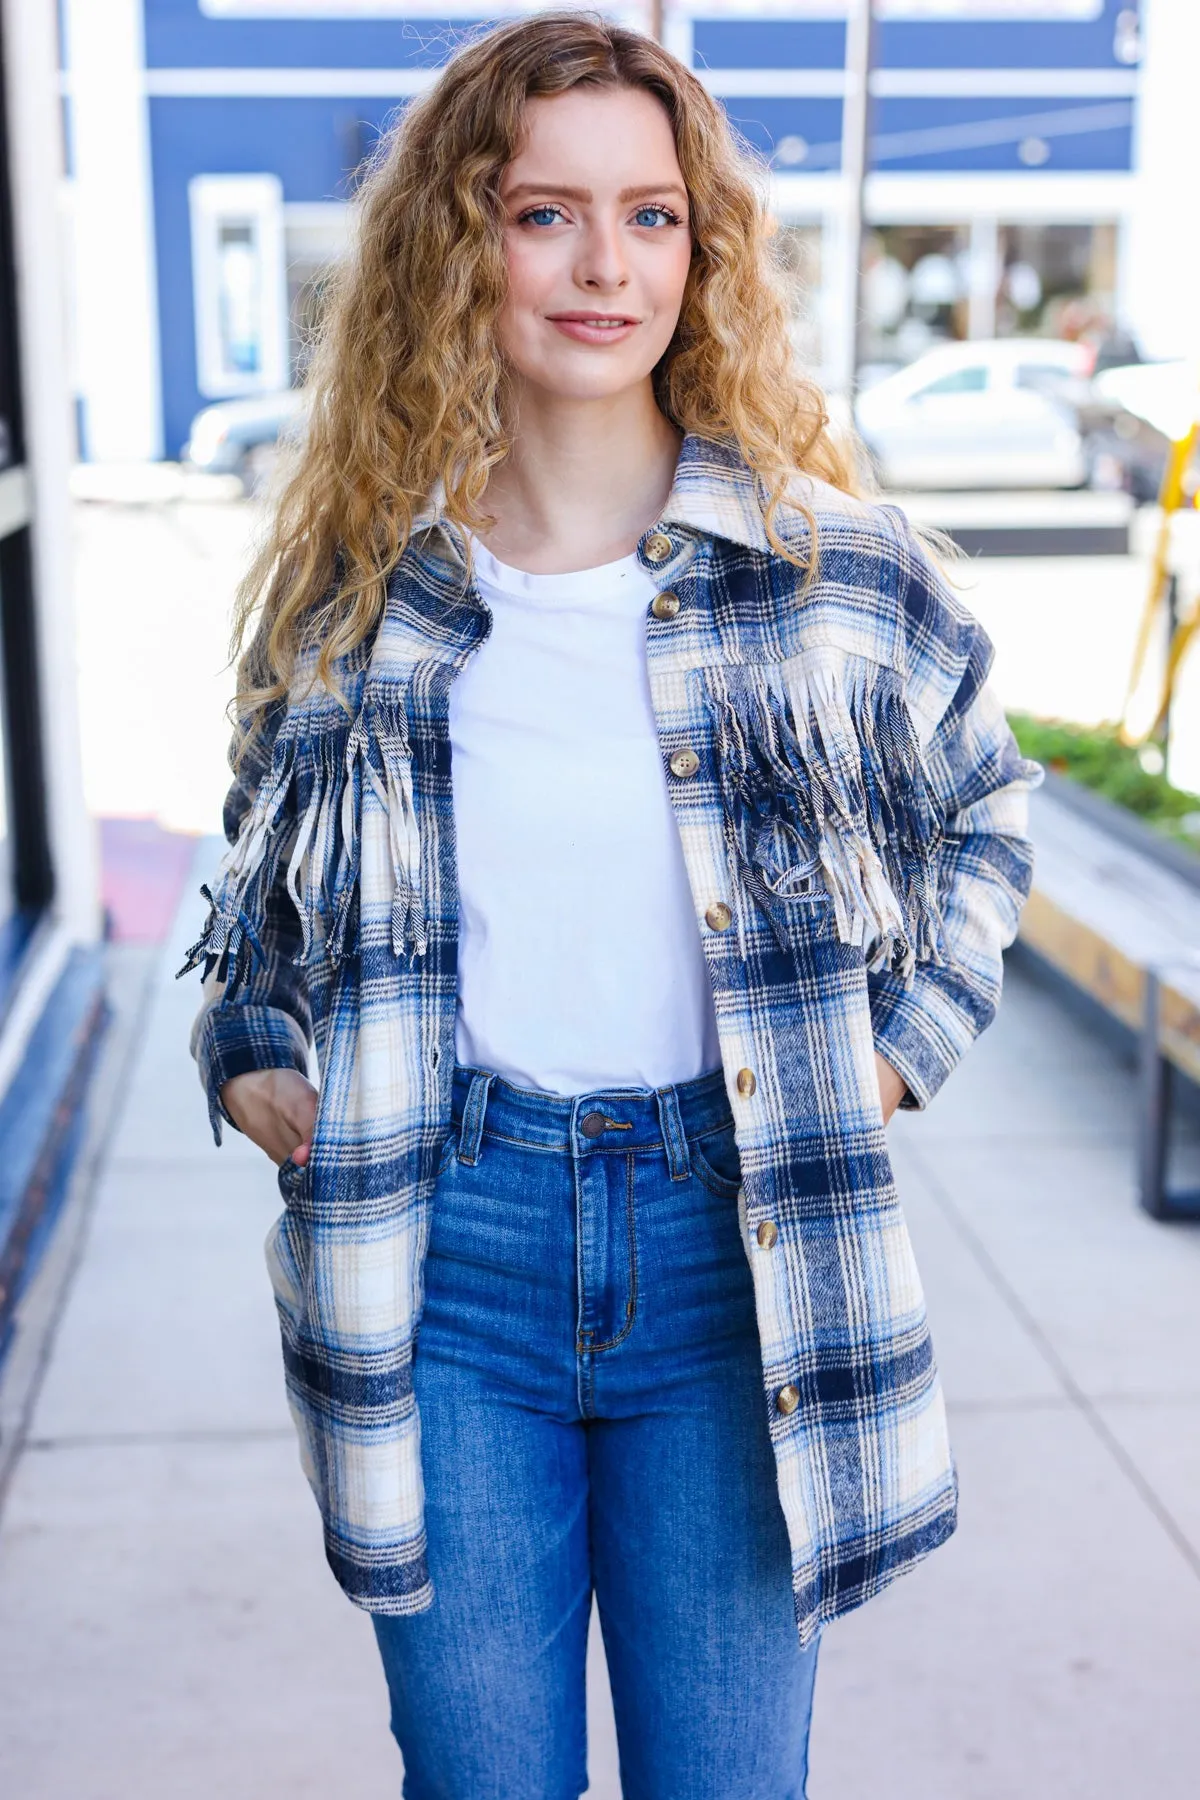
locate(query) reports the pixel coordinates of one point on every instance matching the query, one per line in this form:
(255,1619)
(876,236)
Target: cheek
(671,275)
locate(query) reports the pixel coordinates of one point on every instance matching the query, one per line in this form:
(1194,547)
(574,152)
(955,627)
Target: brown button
(768,1234)
(746,1083)
(684,763)
(658,547)
(788,1398)
(665,606)
(719,916)
(592,1124)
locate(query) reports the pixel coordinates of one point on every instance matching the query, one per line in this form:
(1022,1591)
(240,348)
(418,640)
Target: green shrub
(1095,756)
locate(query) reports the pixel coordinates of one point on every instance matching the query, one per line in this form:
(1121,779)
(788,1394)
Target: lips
(584,318)
(593,327)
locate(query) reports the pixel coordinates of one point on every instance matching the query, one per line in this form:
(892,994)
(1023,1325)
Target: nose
(601,265)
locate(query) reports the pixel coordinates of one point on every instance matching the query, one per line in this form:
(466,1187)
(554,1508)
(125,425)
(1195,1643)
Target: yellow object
(1171,500)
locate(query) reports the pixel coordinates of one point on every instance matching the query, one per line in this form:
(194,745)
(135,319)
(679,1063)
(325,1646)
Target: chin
(587,384)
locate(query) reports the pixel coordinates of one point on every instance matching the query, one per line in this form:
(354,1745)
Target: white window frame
(259,198)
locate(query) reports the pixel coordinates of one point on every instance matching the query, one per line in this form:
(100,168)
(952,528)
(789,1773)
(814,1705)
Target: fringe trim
(821,768)
(311,804)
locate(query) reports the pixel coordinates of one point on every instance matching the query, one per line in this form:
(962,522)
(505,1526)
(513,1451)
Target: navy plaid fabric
(856,800)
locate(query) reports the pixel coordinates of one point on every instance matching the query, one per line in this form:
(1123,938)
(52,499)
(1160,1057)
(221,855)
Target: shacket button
(684,763)
(746,1083)
(658,547)
(768,1234)
(718,917)
(787,1399)
(665,606)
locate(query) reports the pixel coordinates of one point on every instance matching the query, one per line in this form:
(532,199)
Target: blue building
(214,144)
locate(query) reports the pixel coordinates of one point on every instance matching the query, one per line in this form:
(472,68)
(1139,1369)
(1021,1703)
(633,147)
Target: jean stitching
(631,1231)
(716,1183)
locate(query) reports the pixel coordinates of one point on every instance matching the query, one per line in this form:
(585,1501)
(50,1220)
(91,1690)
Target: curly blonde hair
(407,384)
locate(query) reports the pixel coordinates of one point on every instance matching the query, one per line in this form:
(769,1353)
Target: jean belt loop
(674,1137)
(470,1135)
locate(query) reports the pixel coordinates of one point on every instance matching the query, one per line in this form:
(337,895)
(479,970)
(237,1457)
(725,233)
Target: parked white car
(989,414)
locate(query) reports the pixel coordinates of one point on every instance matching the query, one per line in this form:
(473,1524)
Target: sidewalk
(168,1629)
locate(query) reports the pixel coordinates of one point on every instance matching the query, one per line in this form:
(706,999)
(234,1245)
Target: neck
(582,482)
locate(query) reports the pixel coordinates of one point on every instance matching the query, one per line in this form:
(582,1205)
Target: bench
(1115,910)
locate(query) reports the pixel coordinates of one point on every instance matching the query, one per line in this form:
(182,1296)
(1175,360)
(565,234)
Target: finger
(300,1154)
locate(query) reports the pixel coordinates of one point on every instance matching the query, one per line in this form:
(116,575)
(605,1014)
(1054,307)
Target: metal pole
(657,19)
(856,155)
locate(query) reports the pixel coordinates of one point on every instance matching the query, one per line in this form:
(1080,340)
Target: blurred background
(985,214)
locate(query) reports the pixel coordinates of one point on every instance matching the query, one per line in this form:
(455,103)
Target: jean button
(592,1124)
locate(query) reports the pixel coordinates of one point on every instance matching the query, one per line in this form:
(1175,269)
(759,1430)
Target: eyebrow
(584,195)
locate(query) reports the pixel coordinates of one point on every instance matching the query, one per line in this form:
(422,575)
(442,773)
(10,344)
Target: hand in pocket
(276,1108)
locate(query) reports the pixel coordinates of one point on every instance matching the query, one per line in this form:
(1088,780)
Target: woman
(609,1033)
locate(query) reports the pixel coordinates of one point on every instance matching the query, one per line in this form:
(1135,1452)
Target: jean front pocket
(716,1163)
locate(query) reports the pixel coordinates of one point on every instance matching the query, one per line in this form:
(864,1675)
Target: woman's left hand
(892,1087)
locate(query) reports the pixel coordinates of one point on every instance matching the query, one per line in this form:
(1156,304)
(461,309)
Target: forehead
(600,138)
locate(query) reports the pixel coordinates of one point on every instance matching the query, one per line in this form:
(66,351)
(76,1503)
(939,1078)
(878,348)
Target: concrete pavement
(167,1626)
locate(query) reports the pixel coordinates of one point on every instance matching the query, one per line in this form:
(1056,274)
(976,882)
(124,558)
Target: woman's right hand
(276,1108)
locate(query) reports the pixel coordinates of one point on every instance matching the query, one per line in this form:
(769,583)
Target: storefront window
(1057,281)
(915,291)
(238,283)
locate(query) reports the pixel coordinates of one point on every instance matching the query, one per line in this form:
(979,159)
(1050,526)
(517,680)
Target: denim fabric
(589,1380)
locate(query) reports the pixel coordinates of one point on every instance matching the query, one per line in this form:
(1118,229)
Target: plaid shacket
(857,800)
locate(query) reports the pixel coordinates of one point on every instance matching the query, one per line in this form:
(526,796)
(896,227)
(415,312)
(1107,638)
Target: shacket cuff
(236,1040)
(907,1037)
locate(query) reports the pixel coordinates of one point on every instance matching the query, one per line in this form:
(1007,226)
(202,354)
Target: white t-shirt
(580,963)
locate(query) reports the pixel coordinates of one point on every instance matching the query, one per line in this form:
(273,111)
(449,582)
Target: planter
(1125,826)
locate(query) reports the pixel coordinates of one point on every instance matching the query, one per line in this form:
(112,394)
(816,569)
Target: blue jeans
(590,1384)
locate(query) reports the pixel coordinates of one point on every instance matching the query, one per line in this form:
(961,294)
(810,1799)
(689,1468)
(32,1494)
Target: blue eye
(540,215)
(655,215)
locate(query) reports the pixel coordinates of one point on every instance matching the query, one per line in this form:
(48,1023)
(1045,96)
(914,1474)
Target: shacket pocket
(284,1264)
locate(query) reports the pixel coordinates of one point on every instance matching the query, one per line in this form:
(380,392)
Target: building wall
(981,126)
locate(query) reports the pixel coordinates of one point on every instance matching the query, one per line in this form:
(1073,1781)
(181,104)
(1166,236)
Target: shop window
(916,289)
(1057,281)
(239,285)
